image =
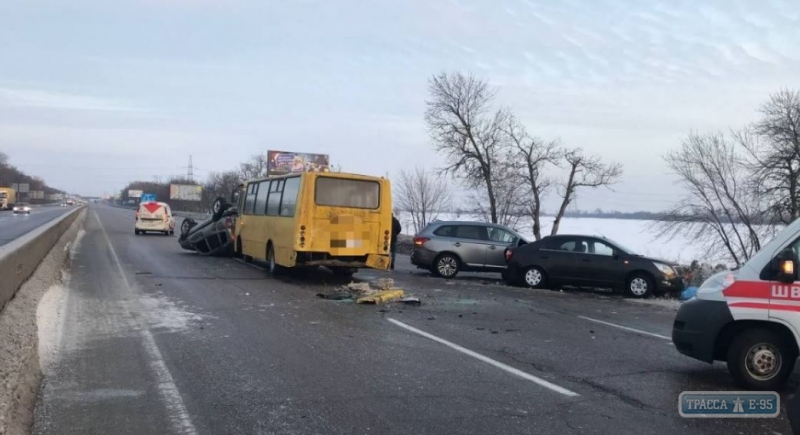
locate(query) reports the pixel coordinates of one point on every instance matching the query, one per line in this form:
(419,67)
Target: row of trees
(9,174)
(509,171)
(742,185)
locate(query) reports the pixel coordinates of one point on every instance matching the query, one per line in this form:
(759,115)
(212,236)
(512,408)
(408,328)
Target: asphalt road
(159,340)
(15,225)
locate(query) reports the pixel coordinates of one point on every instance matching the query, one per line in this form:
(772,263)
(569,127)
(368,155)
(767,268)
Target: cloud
(60,100)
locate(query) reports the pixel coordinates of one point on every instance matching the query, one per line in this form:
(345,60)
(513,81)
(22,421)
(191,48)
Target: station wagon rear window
(343,192)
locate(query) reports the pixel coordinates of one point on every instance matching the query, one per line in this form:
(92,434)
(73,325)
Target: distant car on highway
(447,248)
(154,217)
(63,204)
(22,208)
(586,261)
(213,236)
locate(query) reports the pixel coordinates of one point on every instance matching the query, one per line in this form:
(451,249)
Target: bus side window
(274,202)
(261,198)
(250,201)
(290,190)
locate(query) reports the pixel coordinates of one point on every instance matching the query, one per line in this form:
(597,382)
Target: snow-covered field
(639,236)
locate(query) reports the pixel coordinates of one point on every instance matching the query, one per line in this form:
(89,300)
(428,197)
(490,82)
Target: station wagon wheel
(534,277)
(640,285)
(446,266)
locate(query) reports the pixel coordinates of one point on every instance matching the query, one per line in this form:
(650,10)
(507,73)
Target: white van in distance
(156,217)
(749,318)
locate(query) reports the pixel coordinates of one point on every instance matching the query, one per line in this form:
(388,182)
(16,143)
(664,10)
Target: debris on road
(411,301)
(381,297)
(338,295)
(384,284)
(361,287)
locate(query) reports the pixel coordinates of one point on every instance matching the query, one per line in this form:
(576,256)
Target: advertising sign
(21,187)
(148,197)
(132,193)
(37,194)
(284,162)
(185,192)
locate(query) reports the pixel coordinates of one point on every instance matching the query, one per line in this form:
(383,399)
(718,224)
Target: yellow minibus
(337,220)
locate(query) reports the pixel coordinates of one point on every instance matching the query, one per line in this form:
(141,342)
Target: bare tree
(220,184)
(509,194)
(423,195)
(720,209)
(773,144)
(529,157)
(255,167)
(3,159)
(463,129)
(584,171)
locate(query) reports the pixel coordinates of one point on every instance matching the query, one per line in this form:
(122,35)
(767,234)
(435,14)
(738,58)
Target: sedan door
(598,266)
(560,258)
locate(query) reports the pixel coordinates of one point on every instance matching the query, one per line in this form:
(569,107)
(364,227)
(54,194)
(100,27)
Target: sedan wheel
(640,286)
(534,277)
(447,266)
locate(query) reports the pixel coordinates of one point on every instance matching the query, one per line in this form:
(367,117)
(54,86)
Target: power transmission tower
(191,170)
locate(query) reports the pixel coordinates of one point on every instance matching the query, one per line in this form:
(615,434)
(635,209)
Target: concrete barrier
(19,258)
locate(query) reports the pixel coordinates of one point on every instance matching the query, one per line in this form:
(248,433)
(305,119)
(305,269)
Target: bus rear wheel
(273,268)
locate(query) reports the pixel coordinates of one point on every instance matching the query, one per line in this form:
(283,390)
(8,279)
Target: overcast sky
(94,94)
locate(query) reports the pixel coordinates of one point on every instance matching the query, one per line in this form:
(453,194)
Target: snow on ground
(638,236)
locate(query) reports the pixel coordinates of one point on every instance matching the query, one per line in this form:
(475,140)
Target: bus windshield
(343,192)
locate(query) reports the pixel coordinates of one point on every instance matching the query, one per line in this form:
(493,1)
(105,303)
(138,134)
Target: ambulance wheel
(760,359)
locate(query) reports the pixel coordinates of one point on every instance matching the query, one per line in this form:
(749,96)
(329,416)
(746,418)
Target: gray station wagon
(446,248)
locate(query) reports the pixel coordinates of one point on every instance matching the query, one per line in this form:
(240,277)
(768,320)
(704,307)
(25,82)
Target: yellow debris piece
(381,297)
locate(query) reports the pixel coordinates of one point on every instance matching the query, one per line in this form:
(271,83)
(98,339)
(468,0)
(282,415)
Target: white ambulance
(156,217)
(749,318)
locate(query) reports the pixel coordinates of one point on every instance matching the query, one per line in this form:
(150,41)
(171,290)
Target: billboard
(36,194)
(185,192)
(21,187)
(284,162)
(132,193)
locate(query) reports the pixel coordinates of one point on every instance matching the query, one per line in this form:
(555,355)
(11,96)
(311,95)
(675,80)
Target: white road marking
(179,416)
(638,331)
(486,359)
(251,265)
